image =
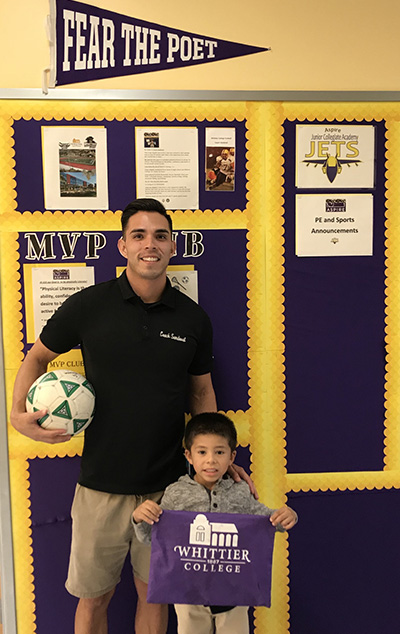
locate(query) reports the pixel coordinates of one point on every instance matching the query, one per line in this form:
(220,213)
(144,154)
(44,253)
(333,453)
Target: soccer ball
(68,397)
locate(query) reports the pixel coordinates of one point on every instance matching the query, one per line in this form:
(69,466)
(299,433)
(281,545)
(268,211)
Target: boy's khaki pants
(198,619)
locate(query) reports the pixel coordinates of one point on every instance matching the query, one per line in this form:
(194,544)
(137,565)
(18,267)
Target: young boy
(210,442)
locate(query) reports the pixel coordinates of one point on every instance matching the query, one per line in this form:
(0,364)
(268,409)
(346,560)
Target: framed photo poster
(75,167)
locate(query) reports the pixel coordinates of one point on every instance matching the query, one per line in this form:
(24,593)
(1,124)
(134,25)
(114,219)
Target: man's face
(147,245)
(224,153)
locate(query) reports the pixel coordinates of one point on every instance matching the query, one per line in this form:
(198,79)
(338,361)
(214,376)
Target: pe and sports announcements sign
(90,43)
(211,559)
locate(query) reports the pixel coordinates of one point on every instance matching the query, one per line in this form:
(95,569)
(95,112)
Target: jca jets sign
(90,43)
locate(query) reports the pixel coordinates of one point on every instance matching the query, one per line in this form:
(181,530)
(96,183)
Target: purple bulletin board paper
(335,342)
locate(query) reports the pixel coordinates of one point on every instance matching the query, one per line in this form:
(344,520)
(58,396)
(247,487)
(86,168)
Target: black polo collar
(168,297)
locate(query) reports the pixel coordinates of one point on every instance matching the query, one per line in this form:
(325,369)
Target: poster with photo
(220,159)
(330,156)
(167,165)
(75,167)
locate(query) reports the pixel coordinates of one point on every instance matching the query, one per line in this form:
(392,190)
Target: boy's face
(210,456)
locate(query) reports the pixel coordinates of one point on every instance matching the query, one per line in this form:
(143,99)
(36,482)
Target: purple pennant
(93,43)
(211,559)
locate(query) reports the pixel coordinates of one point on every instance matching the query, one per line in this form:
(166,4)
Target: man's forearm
(202,396)
(34,364)
(27,374)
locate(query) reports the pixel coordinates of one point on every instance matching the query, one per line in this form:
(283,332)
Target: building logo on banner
(212,547)
(89,43)
(214,559)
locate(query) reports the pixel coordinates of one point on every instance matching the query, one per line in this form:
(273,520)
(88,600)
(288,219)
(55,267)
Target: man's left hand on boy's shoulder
(285,517)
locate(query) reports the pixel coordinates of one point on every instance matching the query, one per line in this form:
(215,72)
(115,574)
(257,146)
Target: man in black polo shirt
(145,346)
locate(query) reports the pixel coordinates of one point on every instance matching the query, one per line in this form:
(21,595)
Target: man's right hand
(27,424)
(33,366)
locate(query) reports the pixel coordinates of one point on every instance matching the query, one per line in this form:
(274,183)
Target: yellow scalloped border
(23,560)
(119,110)
(392,385)
(350,480)
(265,314)
(340,111)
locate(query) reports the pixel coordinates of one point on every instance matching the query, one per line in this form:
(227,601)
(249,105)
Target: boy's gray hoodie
(227,496)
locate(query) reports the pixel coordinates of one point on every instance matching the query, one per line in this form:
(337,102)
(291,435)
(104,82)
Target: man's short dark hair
(144,204)
(211,423)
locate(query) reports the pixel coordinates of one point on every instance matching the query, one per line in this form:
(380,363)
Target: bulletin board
(306,348)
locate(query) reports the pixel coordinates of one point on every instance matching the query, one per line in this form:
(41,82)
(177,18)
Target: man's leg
(101,535)
(150,618)
(91,615)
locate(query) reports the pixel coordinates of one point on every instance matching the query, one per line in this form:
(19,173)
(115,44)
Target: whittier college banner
(211,559)
(90,43)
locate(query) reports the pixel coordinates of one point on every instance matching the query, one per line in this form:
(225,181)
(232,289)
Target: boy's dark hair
(210,423)
(144,204)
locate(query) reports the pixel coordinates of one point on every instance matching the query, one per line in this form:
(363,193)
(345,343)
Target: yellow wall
(343,45)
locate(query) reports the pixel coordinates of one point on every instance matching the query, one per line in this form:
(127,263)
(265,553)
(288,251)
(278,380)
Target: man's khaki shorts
(102,536)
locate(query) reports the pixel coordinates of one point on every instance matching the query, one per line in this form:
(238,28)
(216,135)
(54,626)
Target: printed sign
(89,43)
(47,287)
(334,225)
(211,559)
(167,165)
(335,156)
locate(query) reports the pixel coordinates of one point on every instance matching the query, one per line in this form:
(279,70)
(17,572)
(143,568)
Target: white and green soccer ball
(68,397)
